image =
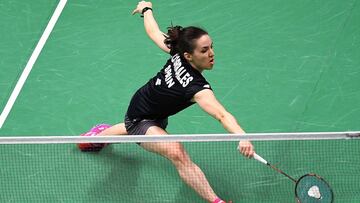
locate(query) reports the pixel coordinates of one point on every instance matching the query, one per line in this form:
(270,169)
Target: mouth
(212,61)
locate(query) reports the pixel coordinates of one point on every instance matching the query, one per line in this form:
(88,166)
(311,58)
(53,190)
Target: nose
(211,53)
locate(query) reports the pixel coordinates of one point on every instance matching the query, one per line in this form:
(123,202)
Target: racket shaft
(282,172)
(262,160)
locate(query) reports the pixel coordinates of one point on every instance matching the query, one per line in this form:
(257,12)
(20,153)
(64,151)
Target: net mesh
(124,172)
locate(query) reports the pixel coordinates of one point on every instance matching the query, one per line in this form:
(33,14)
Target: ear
(188,56)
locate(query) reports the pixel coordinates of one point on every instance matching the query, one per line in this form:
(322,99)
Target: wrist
(144,10)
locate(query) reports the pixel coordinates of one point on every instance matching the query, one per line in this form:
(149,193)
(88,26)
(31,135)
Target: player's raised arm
(208,102)
(151,27)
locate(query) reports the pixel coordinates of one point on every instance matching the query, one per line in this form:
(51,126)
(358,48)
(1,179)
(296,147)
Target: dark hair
(181,40)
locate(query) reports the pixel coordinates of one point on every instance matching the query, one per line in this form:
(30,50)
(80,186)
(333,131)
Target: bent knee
(178,156)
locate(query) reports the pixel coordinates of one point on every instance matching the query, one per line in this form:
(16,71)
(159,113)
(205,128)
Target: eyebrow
(207,46)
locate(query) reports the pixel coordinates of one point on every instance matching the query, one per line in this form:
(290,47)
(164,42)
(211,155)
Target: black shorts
(139,126)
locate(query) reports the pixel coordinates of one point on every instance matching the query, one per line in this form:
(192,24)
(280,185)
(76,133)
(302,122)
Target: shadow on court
(119,181)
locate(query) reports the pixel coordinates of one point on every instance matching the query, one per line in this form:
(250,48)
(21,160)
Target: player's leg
(118,129)
(101,130)
(188,171)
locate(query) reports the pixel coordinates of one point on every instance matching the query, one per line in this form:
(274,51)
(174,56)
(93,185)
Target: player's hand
(246,148)
(141,5)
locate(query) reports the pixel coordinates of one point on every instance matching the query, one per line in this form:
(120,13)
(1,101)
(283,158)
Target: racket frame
(318,177)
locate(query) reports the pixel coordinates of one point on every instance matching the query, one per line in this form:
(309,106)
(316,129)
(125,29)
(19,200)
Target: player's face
(203,56)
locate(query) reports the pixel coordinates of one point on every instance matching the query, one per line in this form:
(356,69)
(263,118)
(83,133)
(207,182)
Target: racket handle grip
(260,159)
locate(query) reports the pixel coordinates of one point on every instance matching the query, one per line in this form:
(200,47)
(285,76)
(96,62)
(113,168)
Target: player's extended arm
(208,102)
(151,27)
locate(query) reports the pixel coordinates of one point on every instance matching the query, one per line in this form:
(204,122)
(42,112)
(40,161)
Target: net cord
(179,138)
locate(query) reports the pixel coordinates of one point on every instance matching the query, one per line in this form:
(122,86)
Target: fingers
(134,11)
(140,6)
(137,9)
(247,152)
(246,148)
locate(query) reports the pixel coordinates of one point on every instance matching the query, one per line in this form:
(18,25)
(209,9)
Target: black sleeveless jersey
(169,92)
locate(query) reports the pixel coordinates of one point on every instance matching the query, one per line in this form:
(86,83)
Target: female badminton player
(178,85)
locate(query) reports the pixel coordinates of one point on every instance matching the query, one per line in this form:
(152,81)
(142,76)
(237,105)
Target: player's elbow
(222,116)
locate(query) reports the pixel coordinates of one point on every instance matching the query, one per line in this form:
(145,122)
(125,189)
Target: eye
(204,50)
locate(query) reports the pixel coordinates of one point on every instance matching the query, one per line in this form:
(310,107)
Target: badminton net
(53,169)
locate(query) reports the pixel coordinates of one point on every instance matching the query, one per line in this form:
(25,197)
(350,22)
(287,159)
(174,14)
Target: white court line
(31,62)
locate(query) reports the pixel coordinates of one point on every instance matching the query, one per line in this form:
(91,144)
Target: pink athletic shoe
(93,147)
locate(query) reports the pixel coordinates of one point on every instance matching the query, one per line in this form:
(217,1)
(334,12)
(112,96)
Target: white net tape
(179,138)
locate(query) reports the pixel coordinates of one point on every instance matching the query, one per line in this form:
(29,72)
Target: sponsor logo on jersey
(158,81)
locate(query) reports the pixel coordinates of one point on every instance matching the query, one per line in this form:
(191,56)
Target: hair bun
(173,36)
(181,40)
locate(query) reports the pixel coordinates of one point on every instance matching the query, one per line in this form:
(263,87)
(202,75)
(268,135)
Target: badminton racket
(309,188)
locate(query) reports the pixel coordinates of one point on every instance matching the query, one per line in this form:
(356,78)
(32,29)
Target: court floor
(280,67)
